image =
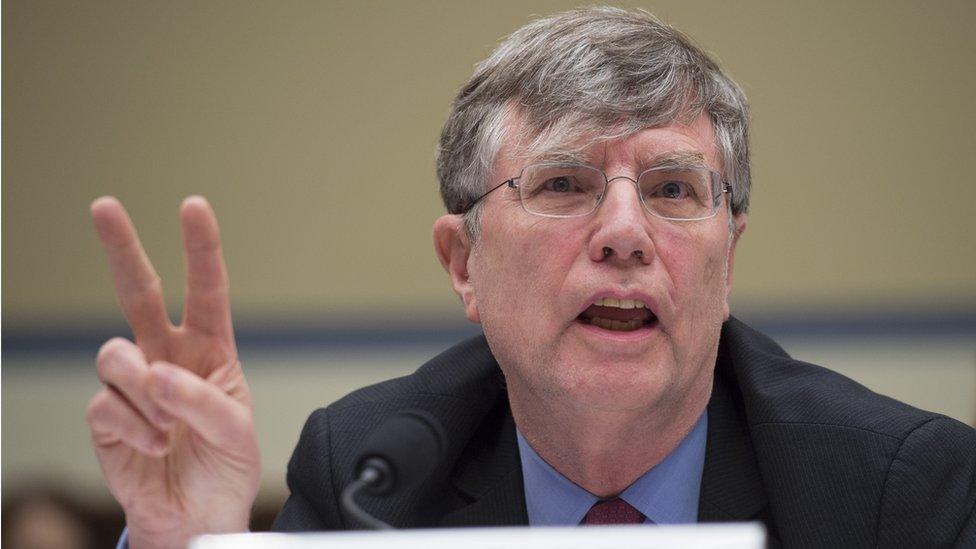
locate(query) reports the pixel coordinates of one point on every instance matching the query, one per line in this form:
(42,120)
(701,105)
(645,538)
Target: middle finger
(207,302)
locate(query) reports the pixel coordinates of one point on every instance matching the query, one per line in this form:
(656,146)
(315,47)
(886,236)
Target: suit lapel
(488,478)
(732,488)
(501,505)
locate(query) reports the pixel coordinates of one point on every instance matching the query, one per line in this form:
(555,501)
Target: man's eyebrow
(670,159)
(676,159)
(559,155)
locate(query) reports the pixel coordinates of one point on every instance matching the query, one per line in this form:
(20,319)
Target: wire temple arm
(465,207)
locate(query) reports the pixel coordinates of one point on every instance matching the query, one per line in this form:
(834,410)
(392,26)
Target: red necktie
(613,511)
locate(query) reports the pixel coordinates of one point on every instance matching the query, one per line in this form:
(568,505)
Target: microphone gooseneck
(400,453)
(349,505)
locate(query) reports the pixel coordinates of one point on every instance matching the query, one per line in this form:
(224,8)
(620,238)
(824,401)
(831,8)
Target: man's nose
(623,233)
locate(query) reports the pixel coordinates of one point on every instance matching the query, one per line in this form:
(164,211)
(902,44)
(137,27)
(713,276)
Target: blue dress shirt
(666,494)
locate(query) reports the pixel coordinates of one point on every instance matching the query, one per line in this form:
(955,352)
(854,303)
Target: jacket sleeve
(312,504)
(930,492)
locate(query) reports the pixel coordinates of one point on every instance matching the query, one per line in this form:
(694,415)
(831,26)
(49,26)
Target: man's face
(533,282)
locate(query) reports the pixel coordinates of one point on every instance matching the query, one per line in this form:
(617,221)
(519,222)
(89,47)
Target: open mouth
(618,315)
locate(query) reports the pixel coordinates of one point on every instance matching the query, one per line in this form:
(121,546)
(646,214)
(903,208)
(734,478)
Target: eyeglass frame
(726,188)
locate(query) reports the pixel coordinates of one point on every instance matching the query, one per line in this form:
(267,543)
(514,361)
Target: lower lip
(640,334)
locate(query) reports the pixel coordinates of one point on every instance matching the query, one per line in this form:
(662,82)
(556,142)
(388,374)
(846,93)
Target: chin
(617,386)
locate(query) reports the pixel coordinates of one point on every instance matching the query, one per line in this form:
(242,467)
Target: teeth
(621,303)
(617,325)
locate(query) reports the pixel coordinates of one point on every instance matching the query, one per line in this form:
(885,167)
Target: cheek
(535,256)
(696,265)
(713,273)
(508,270)
(515,279)
(682,260)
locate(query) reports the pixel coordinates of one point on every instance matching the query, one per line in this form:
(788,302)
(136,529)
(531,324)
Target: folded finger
(207,288)
(203,406)
(122,365)
(136,283)
(112,420)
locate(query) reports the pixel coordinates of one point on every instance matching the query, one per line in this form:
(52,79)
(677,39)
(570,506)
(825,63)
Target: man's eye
(674,190)
(559,185)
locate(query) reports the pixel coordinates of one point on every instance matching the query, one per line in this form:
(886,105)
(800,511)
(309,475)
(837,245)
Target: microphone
(403,451)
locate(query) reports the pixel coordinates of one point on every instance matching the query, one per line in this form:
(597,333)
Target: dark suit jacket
(818,458)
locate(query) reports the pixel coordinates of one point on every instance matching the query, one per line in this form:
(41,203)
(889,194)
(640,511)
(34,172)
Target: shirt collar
(665,494)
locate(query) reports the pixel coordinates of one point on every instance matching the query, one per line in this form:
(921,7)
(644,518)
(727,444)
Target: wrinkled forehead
(586,141)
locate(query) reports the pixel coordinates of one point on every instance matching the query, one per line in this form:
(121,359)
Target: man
(596,171)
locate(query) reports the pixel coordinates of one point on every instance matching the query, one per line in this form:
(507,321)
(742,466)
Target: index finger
(137,285)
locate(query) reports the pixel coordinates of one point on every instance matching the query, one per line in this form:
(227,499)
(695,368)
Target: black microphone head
(411,443)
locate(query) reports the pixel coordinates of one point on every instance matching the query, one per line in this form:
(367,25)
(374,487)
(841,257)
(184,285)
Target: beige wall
(311,126)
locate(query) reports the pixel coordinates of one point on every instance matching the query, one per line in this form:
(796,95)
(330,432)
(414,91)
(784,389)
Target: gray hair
(594,73)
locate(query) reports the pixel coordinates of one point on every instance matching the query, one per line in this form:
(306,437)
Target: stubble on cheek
(713,283)
(698,266)
(710,310)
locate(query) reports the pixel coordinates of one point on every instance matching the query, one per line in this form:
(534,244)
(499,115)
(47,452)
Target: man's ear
(740,221)
(453,249)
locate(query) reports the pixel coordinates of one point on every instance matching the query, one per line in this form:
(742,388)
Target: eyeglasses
(574,190)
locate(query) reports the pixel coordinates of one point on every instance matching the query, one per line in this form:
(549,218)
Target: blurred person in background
(43,518)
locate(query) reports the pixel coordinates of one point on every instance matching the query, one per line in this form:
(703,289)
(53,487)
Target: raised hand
(173,427)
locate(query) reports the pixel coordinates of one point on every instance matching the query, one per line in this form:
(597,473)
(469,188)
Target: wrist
(180,535)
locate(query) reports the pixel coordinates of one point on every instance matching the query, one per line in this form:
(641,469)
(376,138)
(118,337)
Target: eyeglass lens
(568,190)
